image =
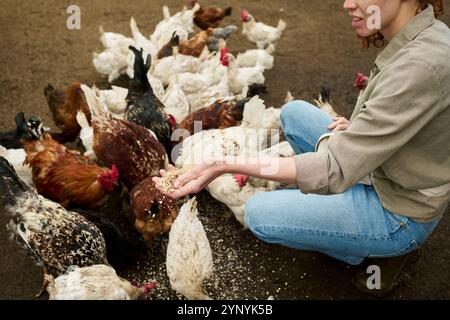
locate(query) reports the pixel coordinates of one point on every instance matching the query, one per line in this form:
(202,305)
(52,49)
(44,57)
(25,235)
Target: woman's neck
(408,10)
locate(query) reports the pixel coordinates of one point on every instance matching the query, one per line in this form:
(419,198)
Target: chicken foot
(45,283)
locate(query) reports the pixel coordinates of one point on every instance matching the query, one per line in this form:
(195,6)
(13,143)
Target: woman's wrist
(222,165)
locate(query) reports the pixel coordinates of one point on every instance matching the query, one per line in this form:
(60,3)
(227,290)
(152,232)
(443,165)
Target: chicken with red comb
(361,81)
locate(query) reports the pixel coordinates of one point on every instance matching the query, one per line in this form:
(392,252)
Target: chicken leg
(44,283)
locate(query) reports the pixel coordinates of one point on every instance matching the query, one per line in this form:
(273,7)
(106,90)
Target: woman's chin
(365,33)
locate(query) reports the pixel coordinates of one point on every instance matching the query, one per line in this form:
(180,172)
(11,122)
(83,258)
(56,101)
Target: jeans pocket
(395,222)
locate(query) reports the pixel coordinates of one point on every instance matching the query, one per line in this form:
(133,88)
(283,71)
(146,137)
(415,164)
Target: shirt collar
(408,33)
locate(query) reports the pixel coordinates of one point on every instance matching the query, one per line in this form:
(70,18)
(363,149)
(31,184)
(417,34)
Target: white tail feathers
(166,12)
(196,7)
(253,116)
(270,48)
(289,97)
(135,29)
(82,120)
(97,108)
(281,25)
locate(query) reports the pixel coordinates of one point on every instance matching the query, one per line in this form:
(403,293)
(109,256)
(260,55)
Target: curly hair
(377,39)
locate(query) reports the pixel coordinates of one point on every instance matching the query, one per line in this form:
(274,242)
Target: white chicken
(215,64)
(140,42)
(235,190)
(182,23)
(243,141)
(189,259)
(112,62)
(97,282)
(193,82)
(254,57)
(157,86)
(201,99)
(86,135)
(215,71)
(111,40)
(260,33)
(87,131)
(240,78)
(16,157)
(168,67)
(176,103)
(114,99)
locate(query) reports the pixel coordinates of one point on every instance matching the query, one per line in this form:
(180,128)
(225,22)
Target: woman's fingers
(184,178)
(341,127)
(186,189)
(156,180)
(338,123)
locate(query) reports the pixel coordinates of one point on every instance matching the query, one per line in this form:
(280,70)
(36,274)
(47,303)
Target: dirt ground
(318,47)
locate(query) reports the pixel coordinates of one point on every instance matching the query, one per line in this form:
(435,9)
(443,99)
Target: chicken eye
(154,208)
(22,227)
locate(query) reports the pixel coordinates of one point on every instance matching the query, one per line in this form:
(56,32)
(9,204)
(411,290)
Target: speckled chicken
(136,153)
(64,108)
(54,237)
(153,211)
(189,259)
(16,157)
(25,129)
(97,282)
(144,108)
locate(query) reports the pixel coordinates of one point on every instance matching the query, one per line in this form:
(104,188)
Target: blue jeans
(349,226)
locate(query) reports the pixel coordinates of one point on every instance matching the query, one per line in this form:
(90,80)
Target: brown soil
(318,47)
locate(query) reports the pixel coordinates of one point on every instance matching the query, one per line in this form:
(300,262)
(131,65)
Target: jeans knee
(293,112)
(254,212)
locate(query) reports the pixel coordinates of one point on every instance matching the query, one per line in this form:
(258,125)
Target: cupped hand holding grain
(177,183)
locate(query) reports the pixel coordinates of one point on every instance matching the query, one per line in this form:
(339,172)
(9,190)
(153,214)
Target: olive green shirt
(399,133)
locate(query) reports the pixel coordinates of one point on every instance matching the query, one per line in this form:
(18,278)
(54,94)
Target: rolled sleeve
(403,102)
(313,167)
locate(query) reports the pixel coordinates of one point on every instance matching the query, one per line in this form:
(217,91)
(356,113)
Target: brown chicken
(210,17)
(195,45)
(153,211)
(136,153)
(167,49)
(67,177)
(219,115)
(64,107)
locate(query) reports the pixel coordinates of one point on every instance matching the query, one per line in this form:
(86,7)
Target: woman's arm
(275,169)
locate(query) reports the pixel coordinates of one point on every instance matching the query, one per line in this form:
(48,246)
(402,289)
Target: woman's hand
(193,181)
(339,124)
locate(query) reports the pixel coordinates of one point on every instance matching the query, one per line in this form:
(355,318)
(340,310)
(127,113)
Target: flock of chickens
(56,196)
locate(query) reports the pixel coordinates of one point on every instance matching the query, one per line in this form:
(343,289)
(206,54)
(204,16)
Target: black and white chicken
(25,129)
(53,236)
(143,107)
